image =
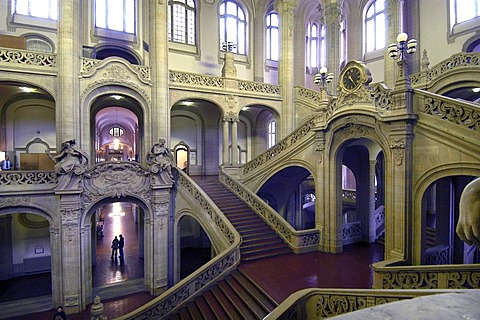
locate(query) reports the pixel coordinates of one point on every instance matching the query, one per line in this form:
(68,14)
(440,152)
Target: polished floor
(350,269)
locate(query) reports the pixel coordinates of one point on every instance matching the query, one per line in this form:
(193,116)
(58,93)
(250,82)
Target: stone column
(285,9)
(235,142)
(332,14)
(161,209)
(160,108)
(226,138)
(72,253)
(67,107)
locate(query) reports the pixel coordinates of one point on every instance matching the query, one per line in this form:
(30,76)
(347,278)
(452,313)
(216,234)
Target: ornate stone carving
(29,58)
(382,96)
(71,162)
(329,305)
(71,300)
(230,117)
(258,87)
(196,79)
(398,149)
(231,101)
(160,205)
(13,178)
(160,159)
(115,179)
(13,201)
(451,111)
(355,131)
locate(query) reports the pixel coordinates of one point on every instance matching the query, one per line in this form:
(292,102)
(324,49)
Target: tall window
(117,15)
(233,26)
(272,133)
(315,45)
(181,21)
(272,36)
(464,10)
(375,26)
(36,8)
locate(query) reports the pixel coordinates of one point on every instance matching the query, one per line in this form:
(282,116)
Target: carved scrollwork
(196,79)
(29,58)
(410,280)
(329,305)
(464,280)
(382,96)
(450,111)
(258,87)
(12,178)
(116,179)
(355,131)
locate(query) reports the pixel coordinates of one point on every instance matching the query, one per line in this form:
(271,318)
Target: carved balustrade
(299,241)
(281,147)
(391,274)
(352,232)
(28,58)
(325,303)
(34,181)
(461,113)
(215,269)
(438,255)
(458,60)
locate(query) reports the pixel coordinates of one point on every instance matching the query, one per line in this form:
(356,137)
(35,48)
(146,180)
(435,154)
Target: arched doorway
(195,248)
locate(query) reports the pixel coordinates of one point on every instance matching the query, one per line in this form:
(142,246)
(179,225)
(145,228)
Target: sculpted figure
(160,158)
(468,226)
(69,159)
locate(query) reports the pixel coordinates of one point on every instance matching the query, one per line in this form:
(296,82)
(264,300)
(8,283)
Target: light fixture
(228,46)
(188,103)
(27,89)
(400,49)
(476,90)
(116,96)
(323,77)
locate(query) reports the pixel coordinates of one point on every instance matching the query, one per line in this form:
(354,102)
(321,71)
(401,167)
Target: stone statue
(70,161)
(160,158)
(468,226)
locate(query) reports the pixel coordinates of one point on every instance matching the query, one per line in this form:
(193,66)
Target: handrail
(316,303)
(281,147)
(464,113)
(299,241)
(176,296)
(391,274)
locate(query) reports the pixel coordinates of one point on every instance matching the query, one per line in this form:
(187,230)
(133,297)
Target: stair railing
(392,274)
(299,241)
(317,303)
(214,270)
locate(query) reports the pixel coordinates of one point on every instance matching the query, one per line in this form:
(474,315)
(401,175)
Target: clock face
(351,78)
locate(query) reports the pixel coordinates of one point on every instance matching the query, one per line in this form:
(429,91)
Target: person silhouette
(121,244)
(6,164)
(115,243)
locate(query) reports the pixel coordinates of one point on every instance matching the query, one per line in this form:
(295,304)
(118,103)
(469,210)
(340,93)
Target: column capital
(285,7)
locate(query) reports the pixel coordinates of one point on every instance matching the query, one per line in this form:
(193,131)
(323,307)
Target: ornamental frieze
(14,201)
(115,179)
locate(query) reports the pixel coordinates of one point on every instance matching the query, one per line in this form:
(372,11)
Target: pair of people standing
(117,246)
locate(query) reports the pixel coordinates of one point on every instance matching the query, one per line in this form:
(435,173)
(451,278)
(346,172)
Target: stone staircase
(236,296)
(259,240)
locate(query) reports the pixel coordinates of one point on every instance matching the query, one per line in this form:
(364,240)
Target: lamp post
(322,79)
(399,51)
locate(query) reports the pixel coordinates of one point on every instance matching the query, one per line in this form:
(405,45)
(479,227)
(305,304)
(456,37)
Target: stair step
(253,305)
(255,291)
(226,302)
(193,310)
(240,305)
(215,305)
(264,254)
(274,243)
(246,239)
(204,306)
(184,315)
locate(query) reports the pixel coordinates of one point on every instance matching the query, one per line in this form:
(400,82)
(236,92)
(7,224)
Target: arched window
(464,16)
(464,10)
(46,9)
(374,31)
(272,134)
(233,27)
(181,21)
(272,43)
(117,15)
(315,45)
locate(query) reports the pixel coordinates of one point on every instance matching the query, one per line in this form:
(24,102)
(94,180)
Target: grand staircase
(259,240)
(236,296)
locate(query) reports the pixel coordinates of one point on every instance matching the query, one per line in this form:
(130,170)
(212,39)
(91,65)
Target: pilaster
(69,50)
(160,108)
(286,9)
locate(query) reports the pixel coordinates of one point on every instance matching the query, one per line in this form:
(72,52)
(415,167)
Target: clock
(352,78)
